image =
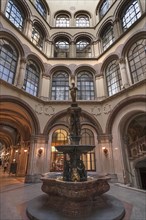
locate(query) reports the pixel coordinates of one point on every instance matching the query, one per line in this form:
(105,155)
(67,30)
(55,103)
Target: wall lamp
(105,151)
(40,151)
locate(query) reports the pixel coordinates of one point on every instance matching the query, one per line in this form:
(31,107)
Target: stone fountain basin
(53,185)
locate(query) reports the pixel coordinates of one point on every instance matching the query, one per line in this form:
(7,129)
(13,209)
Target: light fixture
(25,150)
(40,151)
(105,151)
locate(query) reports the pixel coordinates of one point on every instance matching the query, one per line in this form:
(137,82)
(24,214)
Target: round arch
(21,114)
(14,41)
(55,121)
(120,106)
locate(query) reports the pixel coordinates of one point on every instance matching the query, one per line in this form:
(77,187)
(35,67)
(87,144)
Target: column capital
(104,138)
(122,60)
(23,60)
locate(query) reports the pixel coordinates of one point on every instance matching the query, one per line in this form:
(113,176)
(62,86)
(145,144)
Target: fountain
(75,194)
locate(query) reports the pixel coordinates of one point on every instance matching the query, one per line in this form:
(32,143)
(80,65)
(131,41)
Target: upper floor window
(31,81)
(62,21)
(60,86)
(137,60)
(8,61)
(107,37)
(130,14)
(85,86)
(61,48)
(82,21)
(113,78)
(37,37)
(83,48)
(104,8)
(15,14)
(40,7)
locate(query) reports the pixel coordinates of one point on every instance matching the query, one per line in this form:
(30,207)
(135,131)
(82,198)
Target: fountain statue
(74,194)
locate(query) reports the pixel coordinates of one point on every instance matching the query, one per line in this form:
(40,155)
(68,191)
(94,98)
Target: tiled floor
(15,194)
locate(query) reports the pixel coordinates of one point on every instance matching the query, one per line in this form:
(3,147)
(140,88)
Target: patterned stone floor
(15,194)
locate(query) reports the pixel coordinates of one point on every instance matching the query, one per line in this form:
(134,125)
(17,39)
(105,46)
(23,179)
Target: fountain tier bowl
(55,186)
(74,198)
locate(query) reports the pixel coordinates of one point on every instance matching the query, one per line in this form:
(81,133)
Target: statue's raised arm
(73,92)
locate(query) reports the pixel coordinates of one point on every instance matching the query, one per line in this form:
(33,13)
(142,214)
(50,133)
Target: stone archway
(60,121)
(18,123)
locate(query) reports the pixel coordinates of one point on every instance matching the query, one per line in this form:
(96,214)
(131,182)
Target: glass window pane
(15,14)
(113,78)
(130,14)
(40,7)
(137,60)
(60,86)
(85,86)
(31,81)
(8,58)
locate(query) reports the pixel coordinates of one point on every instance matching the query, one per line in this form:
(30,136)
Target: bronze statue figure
(73,92)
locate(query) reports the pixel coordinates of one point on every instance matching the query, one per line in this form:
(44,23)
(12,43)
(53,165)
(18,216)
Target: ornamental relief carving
(47,110)
(97,110)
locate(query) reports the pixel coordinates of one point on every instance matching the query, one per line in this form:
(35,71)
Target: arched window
(85,86)
(59,137)
(61,48)
(137,60)
(113,78)
(104,8)
(15,14)
(31,81)
(62,21)
(83,48)
(60,86)
(40,8)
(107,37)
(82,21)
(87,138)
(37,37)
(130,14)
(8,61)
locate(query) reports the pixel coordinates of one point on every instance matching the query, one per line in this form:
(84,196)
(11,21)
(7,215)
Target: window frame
(127,12)
(62,20)
(32,78)
(107,39)
(86,90)
(60,87)
(10,60)
(13,8)
(113,79)
(136,61)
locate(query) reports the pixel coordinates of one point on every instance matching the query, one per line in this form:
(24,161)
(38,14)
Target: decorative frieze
(47,110)
(97,110)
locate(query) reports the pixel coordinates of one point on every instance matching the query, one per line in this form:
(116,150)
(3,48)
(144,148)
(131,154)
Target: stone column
(37,159)
(72,51)
(106,152)
(48,48)
(116,28)
(45,88)
(143,5)
(123,71)
(21,73)
(28,31)
(100,93)
(22,161)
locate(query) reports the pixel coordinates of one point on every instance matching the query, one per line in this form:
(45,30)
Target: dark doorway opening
(142,171)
